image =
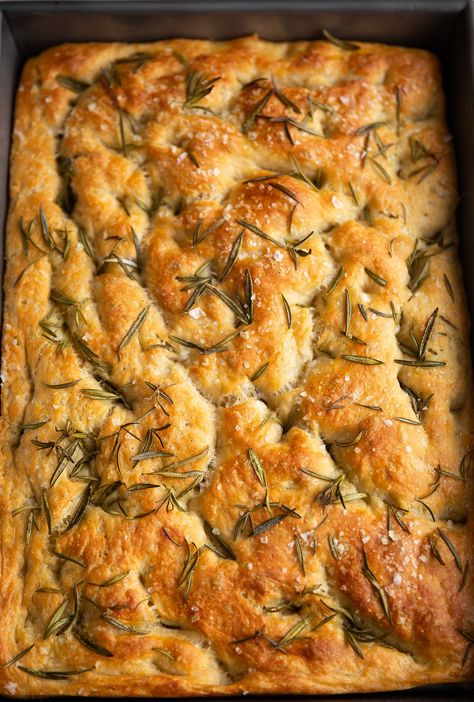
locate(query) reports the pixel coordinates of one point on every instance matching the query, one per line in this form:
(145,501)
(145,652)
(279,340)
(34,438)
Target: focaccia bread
(237,393)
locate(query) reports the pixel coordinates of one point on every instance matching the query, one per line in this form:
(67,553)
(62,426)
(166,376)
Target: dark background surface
(445,27)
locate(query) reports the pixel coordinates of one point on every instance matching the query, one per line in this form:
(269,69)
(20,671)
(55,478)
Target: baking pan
(445,27)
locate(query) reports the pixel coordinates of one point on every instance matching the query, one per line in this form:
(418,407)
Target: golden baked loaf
(237,394)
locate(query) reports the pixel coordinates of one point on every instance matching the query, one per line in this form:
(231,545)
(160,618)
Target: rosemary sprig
(59,621)
(191,560)
(332,493)
(255,112)
(396,513)
(182,462)
(293,634)
(197,86)
(216,348)
(26,236)
(74,519)
(418,265)
(427,332)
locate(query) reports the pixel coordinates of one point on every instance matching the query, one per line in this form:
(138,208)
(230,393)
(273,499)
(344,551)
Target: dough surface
(237,398)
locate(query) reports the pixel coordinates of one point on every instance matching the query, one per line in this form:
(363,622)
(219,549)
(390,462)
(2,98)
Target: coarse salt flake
(196,313)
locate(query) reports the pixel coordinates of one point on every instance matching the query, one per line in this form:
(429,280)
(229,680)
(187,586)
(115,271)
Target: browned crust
(403,195)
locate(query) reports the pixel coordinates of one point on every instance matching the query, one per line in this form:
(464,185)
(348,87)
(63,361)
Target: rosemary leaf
(299,553)
(420,363)
(268,524)
(257,467)
(64,557)
(287,309)
(452,548)
(59,621)
(449,287)
(300,175)
(285,101)
(259,232)
(340,43)
(53,674)
(134,329)
(257,110)
(18,656)
(233,255)
(72,84)
(376,277)
(60,386)
(111,581)
(381,170)
(84,639)
(427,332)
(379,590)
(293,634)
(352,442)
(122,626)
(219,546)
(334,283)
(259,372)
(365,360)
